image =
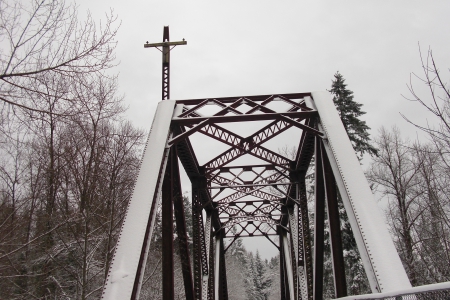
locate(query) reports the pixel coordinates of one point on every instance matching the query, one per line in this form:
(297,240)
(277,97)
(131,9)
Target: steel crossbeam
(257,98)
(245,232)
(253,192)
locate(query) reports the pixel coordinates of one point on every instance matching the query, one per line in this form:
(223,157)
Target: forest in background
(69,159)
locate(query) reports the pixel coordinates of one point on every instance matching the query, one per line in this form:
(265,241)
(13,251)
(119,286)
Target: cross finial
(166,44)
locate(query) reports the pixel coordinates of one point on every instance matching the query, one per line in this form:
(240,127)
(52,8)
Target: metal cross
(166,47)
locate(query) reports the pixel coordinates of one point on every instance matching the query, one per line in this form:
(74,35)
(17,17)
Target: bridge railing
(438,291)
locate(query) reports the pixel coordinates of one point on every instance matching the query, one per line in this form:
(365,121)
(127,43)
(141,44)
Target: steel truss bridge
(248,190)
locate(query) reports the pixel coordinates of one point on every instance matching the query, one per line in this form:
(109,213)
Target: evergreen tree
(357,130)
(350,111)
(261,279)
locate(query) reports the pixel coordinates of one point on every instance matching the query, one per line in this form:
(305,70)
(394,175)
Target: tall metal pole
(166,47)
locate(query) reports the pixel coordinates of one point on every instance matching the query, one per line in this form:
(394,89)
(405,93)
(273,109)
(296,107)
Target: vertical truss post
(223,287)
(288,274)
(167,228)
(220,277)
(208,241)
(212,266)
(304,237)
(319,217)
(197,232)
(293,224)
(181,231)
(299,223)
(285,267)
(340,286)
(283,291)
(217,267)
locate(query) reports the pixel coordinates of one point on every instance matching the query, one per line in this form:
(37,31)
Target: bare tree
(46,38)
(395,172)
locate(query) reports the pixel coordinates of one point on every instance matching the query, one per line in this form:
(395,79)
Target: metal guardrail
(429,295)
(438,291)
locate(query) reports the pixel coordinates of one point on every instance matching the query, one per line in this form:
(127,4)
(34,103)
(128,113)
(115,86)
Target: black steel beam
(319,217)
(251,117)
(253,98)
(223,288)
(340,286)
(181,232)
(190,164)
(167,229)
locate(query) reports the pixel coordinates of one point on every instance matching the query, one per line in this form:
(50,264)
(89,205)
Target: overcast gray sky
(238,48)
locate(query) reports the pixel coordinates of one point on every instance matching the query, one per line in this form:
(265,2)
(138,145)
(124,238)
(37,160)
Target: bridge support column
(293,234)
(220,282)
(284,293)
(286,273)
(199,247)
(340,285)
(319,219)
(305,264)
(167,228)
(208,240)
(181,231)
(326,194)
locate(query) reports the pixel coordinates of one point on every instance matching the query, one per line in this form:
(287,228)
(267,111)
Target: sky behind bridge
(240,48)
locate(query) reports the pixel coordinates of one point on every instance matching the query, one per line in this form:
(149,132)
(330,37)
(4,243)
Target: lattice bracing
(243,186)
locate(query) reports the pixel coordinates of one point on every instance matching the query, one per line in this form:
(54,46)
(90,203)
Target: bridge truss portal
(249,190)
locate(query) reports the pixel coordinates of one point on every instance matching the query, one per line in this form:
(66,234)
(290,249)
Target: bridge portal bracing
(249,189)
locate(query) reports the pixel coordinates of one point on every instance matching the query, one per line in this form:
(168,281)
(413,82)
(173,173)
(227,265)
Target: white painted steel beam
(380,258)
(121,277)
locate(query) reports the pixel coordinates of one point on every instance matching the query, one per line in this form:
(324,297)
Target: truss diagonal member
(256,106)
(270,156)
(269,131)
(223,135)
(253,215)
(199,247)
(263,219)
(300,105)
(275,176)
(250,192)
(246,145)
(250,186)
(258,203)
(188,132)
(265,209)
(240,194)
(258,151)
(300,125)
(193,110)
(231,108)
(270,240)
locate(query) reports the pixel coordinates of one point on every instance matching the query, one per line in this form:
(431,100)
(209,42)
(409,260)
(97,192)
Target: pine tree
(357,130)
(261,279)
(350,111)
